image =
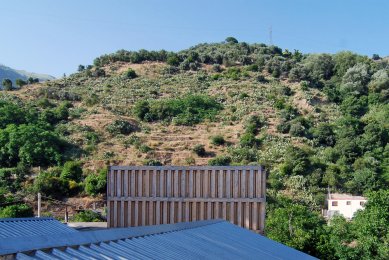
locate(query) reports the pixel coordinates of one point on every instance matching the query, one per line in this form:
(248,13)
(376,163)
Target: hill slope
(12,74)
(316,121)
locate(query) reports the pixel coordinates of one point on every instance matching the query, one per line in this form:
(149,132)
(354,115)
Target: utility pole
(66,214)
(271,35)
(39,204)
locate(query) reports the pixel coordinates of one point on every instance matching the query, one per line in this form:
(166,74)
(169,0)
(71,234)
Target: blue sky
(54,37)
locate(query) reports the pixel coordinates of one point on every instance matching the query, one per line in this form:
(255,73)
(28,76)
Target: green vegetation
(96,183)
(189,110)
(218,140)
(16,211)
(7,84)
(199,149)
(120,127)
(87,216)
(315,121)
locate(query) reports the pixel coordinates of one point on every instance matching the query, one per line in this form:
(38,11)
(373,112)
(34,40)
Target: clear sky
(55,36)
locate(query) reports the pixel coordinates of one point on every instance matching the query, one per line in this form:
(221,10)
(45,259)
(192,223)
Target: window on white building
(362,203)
(334,203)
(348,202)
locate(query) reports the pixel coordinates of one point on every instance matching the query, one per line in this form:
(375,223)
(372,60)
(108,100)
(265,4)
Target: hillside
(316,121)
(13,75)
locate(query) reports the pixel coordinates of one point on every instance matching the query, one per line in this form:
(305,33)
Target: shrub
(144,148)
(297,129)
(254,123)
(96,183)
(98,72)
(131,74)
(88,216)
(218,140)
(108,154)
(188,110)
(120,127)
(142,109)
(252,67)
(283,126)
(152,162)
(199,150)
(261,79)
(16,211)
(11,178)
(72,171)
(190,161)
(51,186)
(132,140)
(221,160)
(249,140)
(216,68)
(233,73)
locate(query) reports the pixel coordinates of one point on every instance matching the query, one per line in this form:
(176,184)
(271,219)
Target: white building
(344,204)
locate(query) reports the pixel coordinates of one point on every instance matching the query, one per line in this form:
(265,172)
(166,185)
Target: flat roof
(344,196)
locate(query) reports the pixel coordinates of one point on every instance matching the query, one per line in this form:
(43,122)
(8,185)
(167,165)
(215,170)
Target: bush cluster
(188,110)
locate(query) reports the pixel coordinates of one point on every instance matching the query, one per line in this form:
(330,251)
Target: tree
(29,144)
(81,68)
(324,134)
(20,83)
(173,60)
(345,60)
(379,81)
(16,211)
(30,80)
(50,185)
(319,66)
(355,80)
(231,40)
(294,225)
(7,84)
(376,57)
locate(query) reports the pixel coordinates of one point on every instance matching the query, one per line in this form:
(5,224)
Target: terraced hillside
(316,121)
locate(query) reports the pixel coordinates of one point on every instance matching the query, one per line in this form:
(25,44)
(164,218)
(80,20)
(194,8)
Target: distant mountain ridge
(12,74)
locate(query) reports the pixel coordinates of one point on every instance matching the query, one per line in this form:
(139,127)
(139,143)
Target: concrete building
(344,204)
(154,195)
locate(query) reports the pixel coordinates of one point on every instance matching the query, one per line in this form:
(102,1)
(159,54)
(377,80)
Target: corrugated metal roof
(201,239)
(24,227)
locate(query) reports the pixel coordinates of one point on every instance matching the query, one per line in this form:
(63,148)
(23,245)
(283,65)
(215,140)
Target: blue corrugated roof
(24,227)
(202,239)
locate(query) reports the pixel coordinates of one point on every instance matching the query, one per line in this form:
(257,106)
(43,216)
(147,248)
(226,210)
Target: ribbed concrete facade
(139,196)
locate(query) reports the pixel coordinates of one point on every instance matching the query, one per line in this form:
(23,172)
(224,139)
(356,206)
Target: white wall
(346,210)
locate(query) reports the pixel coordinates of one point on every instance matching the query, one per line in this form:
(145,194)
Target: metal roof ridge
(26,219)
(17,245)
